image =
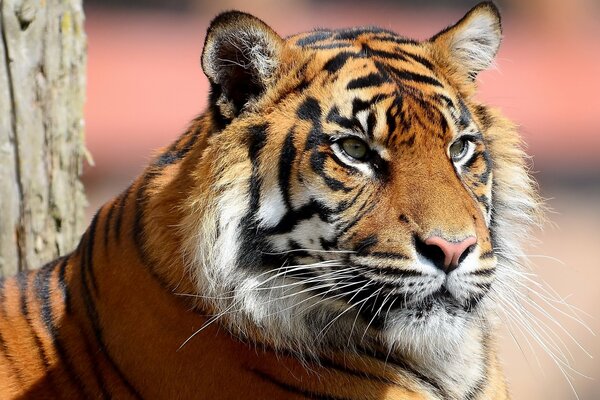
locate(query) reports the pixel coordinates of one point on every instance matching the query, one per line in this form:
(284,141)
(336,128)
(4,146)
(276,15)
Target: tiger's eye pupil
(355,148)
(458,149)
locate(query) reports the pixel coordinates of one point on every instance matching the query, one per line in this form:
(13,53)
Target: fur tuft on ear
(472,43)
(241,54)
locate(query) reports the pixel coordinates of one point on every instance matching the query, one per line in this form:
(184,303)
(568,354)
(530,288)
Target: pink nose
(453,252)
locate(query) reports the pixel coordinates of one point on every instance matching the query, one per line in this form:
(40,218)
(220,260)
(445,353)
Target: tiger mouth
(440,301)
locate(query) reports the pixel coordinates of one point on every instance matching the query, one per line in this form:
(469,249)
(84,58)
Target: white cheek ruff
(272,208)
(232,208)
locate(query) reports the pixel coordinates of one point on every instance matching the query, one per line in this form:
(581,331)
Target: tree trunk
(42,82)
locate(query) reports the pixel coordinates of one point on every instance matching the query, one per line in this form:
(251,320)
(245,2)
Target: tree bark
(42,89)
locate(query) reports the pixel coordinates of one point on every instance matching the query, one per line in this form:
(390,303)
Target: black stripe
(464,118)
(372,80)
(42,286)
(23,283)
(120,211)
(370,52)
(390,120)
(412,76)
(335,117)
(486,119)
(293,217)
(354,33)
(365,208)
(489,165)
(338,62)
(380,270)
(359,104)
(310,110)
(92,315)
(293,389)
(388,255)
(88,259)
(415,57)
(252,245)
(394,38)
(363,246)
(317,162)
(62,285)
(371,122)
(484,272)
(346,204)
(138,230)
(286,162)
(173,154)
(329,46)
(444,100)
(314,37)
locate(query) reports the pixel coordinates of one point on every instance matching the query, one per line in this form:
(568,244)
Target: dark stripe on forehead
(394,38)
(359,105)
(407,75)
(335,117)
(309,110)
(415,57)
(354,33)
(371,52)
(328,46)
(338,62)
(314,38)
(372,80)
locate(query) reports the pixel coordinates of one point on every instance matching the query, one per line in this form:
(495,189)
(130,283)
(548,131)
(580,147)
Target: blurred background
(145,84)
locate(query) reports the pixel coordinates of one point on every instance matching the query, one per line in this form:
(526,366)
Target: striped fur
(256,258)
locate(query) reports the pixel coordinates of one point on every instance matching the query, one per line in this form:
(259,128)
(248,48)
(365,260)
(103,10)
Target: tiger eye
(355,148)
(459,149)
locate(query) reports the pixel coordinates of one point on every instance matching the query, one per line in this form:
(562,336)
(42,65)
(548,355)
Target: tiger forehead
(340,38)
(395,71)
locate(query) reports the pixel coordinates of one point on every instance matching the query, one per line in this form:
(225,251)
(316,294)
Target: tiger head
(355,193)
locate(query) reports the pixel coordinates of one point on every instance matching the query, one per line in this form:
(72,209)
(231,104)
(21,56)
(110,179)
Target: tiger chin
(342,222)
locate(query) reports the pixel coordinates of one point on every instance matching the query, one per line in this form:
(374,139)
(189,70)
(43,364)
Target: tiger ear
(472,43)
(240,57)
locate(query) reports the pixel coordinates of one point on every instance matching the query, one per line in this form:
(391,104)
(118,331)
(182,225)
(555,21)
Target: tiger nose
(444,254)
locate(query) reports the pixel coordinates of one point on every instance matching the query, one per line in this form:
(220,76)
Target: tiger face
(353,186)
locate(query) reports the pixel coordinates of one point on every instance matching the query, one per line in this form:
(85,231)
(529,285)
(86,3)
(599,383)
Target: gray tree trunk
(42,83)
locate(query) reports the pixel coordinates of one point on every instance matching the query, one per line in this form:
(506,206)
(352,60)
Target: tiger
(341,222)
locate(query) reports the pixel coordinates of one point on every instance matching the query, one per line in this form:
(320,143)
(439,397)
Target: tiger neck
(139,305)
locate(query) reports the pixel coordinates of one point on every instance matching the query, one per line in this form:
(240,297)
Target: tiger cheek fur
(332,226)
